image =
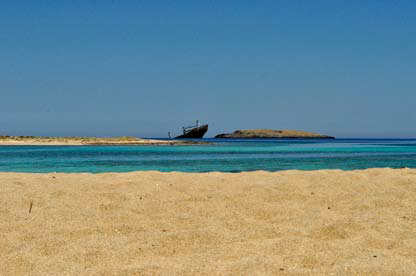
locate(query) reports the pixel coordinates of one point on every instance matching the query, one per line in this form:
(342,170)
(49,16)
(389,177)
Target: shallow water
(221,155)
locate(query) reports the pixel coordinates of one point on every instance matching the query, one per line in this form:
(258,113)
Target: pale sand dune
(321,222)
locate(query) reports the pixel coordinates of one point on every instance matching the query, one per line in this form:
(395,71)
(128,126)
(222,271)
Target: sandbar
(82,141)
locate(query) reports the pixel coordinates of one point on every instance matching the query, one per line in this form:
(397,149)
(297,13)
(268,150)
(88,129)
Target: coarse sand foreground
(319,222)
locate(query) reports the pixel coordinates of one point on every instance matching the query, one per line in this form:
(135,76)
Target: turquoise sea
(221,155)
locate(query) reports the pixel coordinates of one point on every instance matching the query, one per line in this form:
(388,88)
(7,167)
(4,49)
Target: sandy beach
(317,222)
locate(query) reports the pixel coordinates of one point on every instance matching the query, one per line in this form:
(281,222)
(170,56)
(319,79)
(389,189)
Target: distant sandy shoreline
(319,222)
(79,141)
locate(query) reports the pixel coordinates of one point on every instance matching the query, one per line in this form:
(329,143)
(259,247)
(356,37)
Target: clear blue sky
(109,68)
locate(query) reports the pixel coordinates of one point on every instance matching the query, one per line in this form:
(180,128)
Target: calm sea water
(221,155)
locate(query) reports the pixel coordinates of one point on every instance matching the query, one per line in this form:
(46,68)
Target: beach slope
(319,222)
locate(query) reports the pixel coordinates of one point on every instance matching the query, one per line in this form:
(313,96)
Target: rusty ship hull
(195,133)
